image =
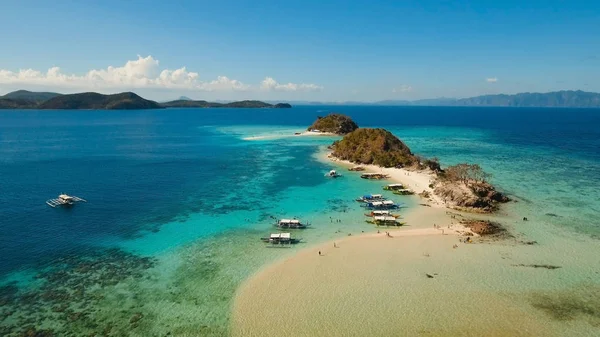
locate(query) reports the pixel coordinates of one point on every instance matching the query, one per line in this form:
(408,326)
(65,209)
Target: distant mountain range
(23,99)
(562,99)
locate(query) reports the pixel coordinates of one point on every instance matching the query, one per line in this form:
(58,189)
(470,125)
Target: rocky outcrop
(334,123)
(469,195)
(373,146)
(486,228)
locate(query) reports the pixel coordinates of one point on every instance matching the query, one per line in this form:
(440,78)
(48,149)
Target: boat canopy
(290,221)
(381,212)
(280,236)
(64,196)
(377,203)
(395,185)
(388,202)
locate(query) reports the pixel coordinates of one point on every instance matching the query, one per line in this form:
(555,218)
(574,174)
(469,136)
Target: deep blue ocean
(140,169)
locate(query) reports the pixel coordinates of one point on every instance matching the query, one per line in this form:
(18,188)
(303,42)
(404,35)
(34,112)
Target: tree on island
(466,172)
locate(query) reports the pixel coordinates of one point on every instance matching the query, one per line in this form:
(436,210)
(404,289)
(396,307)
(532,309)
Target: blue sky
(301,50)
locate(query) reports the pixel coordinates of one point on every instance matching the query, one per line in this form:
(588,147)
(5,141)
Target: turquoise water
(179,198)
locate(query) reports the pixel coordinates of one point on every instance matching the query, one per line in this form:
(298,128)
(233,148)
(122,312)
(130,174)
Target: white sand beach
(412,283)
(418,181)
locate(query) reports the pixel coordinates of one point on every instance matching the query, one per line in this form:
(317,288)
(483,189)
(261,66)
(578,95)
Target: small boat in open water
(291,223)
(64,200)
(333,174)
(280,239)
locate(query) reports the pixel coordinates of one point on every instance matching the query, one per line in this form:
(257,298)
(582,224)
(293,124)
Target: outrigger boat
(379,205)
(393,187)
(280,239)
(64,200)
(385,221)
(382,213)
(333,174)
(291,223)
(377,176)
(370,197)
(404,191)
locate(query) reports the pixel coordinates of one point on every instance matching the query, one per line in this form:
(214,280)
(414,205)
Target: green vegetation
(373,146)
(10,103)
(37,97)
(204,104)
(95,101)
(334,123)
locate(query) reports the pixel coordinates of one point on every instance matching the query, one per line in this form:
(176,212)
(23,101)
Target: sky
(300,50)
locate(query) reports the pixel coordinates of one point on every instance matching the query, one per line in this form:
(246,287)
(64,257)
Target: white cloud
(270,84)
(402,88)
(491,79)
(143,73)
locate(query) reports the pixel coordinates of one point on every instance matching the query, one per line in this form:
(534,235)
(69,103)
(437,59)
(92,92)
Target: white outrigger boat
(64,200)
(385,221)
(333,174)
(381,213)
(280,239)
(380,205)
(370,197)
(393,187)
(291,223)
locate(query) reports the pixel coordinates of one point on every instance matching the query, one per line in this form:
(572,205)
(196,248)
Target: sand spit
(377,285)
(296,134)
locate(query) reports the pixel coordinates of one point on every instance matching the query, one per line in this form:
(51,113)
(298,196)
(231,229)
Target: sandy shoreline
(370,284)
(418,181)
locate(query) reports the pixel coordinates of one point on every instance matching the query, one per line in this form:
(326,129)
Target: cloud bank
(143,73)
(491,79)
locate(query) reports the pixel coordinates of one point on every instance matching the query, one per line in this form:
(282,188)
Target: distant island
(23,99)
(239,104)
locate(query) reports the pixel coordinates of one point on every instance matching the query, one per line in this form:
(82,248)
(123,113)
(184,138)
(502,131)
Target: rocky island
(463,186)
(333,123)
